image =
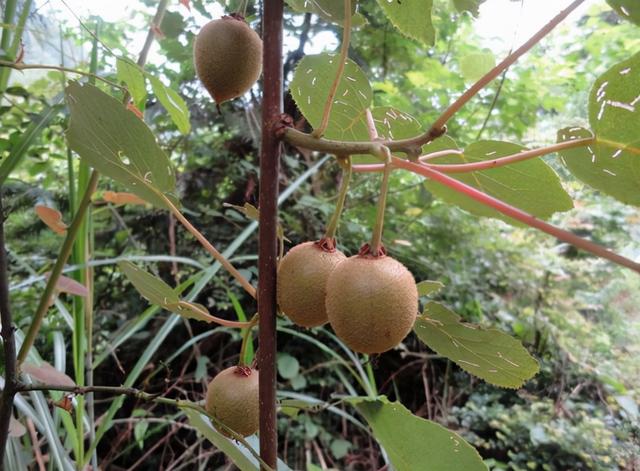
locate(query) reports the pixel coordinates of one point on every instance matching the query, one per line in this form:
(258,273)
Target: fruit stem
(376,238)
(246,335)
(345,163)
(344,50)
(373,389)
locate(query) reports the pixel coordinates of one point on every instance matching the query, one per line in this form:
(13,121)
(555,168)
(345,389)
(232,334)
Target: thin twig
(20,66)
(208,246)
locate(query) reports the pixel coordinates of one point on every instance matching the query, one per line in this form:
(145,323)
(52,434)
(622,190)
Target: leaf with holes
(310,88)
(173,103)
(489,354)
(614,103)
(614,171)
(52,218)
(627,9)
(412,18)
(414,443)
(530,185)
(131,74)
(329,10)
(151,288)
(118,144)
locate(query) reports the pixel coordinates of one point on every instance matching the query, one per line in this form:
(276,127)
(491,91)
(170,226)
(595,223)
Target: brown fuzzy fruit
(232,398)
(228,57)
(302,280)
(372,303)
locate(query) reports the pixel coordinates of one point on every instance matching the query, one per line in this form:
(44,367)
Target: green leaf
(27,139)
(288,366)
(472,6)
(310,88)
(236,452)
(118,144)
(413,443)
(614,171)
(340,448)
(614,103)
(329,10)
(412,18)
(628,9)
(612,164)
(173,103)
(489,354)
(530,185)
(140,431)
(476,65)
(132,75)
(428,288)
(151,288)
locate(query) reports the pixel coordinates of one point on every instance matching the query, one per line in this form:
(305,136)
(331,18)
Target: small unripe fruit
(228,57)
(302,281)
(372,303)
(232,398)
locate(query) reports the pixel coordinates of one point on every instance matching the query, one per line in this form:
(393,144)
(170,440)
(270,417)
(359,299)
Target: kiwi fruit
(372,302)
(302,280)
(232,398)
(228,57)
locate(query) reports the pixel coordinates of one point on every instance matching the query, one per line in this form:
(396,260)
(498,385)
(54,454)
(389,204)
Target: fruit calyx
(242,370)
(367,251)
(234,16)
(327,244)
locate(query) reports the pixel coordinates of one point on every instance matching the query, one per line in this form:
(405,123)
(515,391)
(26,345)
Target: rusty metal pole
(267,254)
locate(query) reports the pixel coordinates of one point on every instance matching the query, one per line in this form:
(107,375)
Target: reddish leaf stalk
(268,244)
(516,213)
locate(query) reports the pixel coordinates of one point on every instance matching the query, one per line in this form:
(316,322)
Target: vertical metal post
(267,255)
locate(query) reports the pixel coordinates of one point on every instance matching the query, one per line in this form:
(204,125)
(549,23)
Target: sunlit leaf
(412,18)
(47,374)
(310,88)
(612,163)
(131,74)
(489,354)
(413,443)
(530,185)
(173,103)
(151,288)
(474,66)
(118,144)
(614,171)
(627,9)
(329,10)
(52,218)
